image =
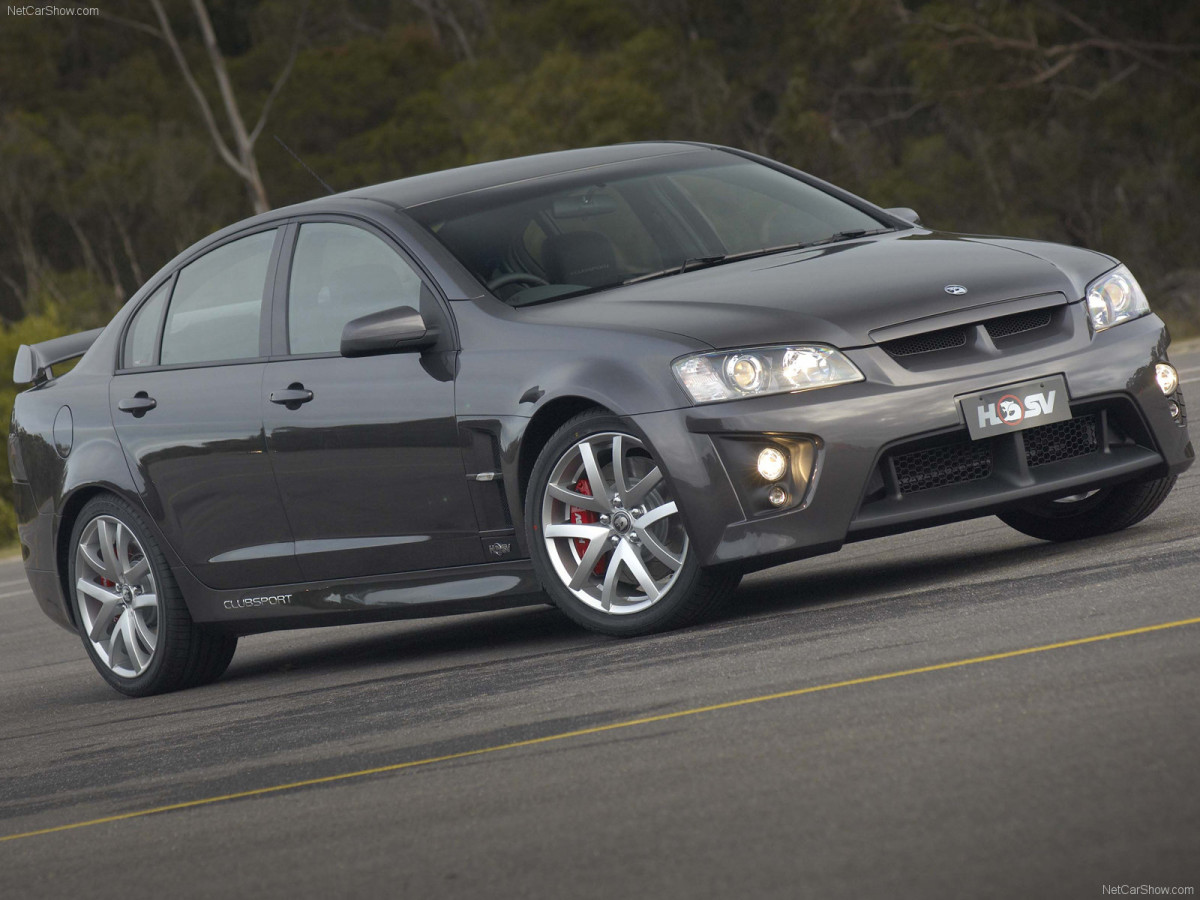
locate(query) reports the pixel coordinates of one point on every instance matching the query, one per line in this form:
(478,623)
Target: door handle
(295,394)
(139,404)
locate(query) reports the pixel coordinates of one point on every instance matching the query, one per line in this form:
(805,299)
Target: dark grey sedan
(614,378)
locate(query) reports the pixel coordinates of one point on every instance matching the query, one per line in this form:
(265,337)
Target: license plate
(1018,406)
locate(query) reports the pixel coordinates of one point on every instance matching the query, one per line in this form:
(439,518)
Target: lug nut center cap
(621,522)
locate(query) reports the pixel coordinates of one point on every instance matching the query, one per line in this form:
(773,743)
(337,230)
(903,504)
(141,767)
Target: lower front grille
(941,478)
(966,460)
(936,467)
(1060,440)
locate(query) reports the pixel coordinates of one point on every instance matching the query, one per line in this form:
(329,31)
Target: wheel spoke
(656,514)
(660,551)
(648,483)
(595,479)
(141,601)
(97,591)
(122,546)
(118,638)
(576,499)
(100,622)
(618,464)
(587,564)
(137,571)
(147,636)
(638,569)
(571,530)
(609,589)
(112,569)
(90,557)
(137,655)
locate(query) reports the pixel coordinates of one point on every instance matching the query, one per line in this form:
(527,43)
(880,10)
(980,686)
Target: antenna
(303,163)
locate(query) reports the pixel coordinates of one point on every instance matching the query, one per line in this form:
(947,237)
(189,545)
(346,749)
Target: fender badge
(956,289)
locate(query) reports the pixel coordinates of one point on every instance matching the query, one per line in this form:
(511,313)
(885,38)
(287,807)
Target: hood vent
(997,327)
(943,339)
(1006,326)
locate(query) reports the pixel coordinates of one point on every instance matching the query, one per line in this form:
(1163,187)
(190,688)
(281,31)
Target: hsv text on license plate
(1017,406)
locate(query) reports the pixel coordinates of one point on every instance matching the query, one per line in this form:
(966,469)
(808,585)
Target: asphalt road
(985,772)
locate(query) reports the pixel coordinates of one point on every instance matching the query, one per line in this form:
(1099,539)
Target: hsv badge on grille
(955,289)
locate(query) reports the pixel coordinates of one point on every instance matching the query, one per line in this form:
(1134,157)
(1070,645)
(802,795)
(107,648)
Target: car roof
(419,189)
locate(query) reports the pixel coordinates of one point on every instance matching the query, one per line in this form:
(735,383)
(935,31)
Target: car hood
(837,294)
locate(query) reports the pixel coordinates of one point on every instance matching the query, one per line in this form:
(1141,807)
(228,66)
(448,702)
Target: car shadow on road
(455,641)
(930,575)
(925,575)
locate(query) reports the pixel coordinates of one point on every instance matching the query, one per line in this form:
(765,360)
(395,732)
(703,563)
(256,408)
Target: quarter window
(339,273)
(217,305)
(142,336)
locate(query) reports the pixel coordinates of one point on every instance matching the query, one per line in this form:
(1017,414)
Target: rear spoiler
(34,360)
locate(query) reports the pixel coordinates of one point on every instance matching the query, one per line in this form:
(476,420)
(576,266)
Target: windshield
(580,232)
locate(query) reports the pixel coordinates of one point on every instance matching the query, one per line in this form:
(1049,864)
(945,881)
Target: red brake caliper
(586,517)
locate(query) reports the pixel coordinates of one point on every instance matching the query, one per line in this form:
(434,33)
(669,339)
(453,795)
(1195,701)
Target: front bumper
(1109,376)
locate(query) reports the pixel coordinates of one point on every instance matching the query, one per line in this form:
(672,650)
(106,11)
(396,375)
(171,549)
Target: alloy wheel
(610,527)
(116,596)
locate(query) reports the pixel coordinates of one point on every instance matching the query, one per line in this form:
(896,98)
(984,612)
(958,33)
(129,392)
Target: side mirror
(395,330)
(903,212)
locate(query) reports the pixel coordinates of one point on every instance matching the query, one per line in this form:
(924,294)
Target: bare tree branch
(281,80)
(233,113)
(168,35)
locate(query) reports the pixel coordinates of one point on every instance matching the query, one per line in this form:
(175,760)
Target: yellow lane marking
(600,729)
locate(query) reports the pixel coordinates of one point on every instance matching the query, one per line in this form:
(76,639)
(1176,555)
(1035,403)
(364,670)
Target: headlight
(754,372)
(1115,298)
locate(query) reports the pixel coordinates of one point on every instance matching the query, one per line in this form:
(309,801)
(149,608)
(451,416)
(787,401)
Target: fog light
(772,464)
(777,495)
(1174,407)
(1167,378)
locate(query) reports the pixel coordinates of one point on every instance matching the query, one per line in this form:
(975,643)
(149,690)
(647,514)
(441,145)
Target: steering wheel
(515,278)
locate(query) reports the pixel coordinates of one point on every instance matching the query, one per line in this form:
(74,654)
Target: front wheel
(132,618)
(1091,513)
(606,536)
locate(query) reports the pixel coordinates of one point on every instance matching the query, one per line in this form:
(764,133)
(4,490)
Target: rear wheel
(606,536)
(1089,514)
(132,618)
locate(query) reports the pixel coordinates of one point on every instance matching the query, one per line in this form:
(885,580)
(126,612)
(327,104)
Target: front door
(365,450)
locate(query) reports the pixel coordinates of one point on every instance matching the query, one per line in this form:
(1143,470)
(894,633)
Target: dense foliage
(1076,121)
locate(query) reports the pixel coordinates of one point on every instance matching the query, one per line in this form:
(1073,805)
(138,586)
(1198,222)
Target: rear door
(187,404)
(368,463)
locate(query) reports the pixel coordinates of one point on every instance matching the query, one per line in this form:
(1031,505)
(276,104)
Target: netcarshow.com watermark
(1148,890)
(31,10)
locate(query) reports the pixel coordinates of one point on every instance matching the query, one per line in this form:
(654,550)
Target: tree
(240,157)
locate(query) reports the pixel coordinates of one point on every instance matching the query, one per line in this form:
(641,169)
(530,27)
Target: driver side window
(339,273)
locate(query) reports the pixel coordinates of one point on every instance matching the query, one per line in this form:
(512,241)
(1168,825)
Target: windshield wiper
(833,238)
(701,262)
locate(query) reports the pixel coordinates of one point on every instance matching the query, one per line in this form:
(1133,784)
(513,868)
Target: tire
(132,618)
(1101,512)
(618,565)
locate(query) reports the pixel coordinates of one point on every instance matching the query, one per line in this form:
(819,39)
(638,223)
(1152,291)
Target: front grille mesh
(936,467)
(1018,323)
(944,339)
(965,461)
(1060,440)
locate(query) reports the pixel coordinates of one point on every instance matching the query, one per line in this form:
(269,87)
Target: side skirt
(408,595)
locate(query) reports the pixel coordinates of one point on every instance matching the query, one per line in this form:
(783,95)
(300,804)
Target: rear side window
(339,273)
(215,310)
(142,336)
